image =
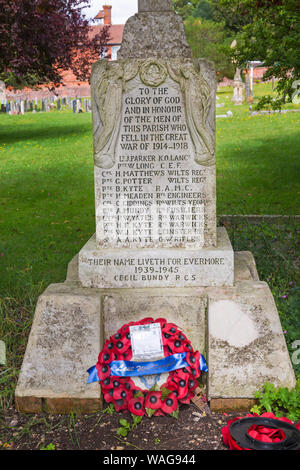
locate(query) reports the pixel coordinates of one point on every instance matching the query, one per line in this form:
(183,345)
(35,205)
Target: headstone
(22,107)
(59,104)
(238,88)
(157,251)
(2,91)
(248,93)
(2,353)
(78,106)
(74,106)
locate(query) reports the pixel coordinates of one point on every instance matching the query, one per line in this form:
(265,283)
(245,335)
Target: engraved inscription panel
(150,189)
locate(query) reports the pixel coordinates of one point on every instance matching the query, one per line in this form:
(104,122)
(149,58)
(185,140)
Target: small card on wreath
(146,342)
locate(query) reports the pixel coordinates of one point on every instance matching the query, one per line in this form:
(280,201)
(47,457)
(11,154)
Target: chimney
(107,14)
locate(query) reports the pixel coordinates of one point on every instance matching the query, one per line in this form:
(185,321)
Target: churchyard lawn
(47,214)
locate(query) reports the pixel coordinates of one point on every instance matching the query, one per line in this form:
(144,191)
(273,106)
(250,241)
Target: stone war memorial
(157,250)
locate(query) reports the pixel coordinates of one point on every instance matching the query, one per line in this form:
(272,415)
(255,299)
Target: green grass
(47,206)
(258,168)
(47,195)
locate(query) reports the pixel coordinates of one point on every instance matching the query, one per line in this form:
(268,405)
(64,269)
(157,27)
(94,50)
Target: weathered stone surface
(154,151)
(244,263)
(246,346)
(155,5)
(186,311)
(29,404)
(163,267)
(157,30)
(231,404)
(244,268)
(64,342)
(78,405)
(238,88)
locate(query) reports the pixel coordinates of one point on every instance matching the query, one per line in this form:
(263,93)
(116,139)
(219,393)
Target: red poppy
(107,384)
(121,404)
(128,354)
(108,396)
(167,351)
(159,413)
(129,384)
(187,399)
(103,370)
(182,387)
(122,345)
(105,356)
(177,346)
(167,339)
(183,373)
(170,404)
(122,393)
(171,329)
(136,406)
(153,400)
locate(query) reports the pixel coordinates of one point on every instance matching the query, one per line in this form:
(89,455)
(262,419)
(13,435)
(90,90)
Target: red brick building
(116,31)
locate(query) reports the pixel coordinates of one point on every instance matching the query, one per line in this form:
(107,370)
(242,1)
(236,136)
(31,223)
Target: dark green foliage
(209,40)
(280,401)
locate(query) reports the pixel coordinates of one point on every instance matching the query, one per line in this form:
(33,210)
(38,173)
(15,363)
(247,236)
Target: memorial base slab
(150,267)
(236,327)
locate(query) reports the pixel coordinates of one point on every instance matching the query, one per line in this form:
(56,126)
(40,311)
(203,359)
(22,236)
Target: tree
(210,40)
(273,37)
(185,8)
(234,18)
(39,39)
(204,9)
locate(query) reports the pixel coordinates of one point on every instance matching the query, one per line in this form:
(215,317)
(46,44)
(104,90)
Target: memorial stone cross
(154,154)
(155,31)
(154,5)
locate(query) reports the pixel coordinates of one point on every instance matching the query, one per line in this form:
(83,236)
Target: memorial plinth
(157,250)
(148,267)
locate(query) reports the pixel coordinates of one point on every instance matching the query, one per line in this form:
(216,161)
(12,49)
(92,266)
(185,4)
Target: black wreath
(239,432)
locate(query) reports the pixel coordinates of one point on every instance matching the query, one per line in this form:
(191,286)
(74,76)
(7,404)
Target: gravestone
(74,106)
(238,88)
(2,353)
(157,250)
(2,91)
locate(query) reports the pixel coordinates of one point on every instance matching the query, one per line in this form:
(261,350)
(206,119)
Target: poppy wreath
(124,394)
(260,433)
